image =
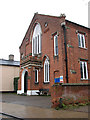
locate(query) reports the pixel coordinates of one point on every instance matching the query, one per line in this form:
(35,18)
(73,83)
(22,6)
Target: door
(25,81)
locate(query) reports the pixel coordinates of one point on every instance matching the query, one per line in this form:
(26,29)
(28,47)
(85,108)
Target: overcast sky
(16,15)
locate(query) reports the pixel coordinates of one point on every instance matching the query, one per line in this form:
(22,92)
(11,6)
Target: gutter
(65,44)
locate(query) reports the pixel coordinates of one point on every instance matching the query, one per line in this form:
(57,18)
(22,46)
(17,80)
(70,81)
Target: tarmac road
(38,101)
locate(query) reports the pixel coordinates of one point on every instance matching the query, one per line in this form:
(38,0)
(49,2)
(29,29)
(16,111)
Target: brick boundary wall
(70,93)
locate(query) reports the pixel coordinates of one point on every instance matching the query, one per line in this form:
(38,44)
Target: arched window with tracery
(36,40)
(46,71)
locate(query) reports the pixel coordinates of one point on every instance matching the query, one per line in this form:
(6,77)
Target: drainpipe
(65,44)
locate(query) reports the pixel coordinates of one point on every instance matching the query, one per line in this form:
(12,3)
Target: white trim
(32,47)
(31,65)
(55,45)
(19,92)
(40,43)
(82,64)
(22,82)
(81,35)
(32,92)
(37,75)
(86,70)
(29,92)
(37,32)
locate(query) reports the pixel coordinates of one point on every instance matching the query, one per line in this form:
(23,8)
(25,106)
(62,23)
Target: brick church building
(53,50)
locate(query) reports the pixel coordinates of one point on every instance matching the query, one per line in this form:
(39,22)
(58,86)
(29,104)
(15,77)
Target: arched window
(46,71)
(36,40)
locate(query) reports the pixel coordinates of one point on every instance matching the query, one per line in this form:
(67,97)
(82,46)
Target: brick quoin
(57,65)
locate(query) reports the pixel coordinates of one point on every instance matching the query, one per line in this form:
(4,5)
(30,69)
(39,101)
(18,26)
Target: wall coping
(76,84)
(72,84)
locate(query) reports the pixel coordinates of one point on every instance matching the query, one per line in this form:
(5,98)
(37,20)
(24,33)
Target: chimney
(62,15)
(62,19)
(11,57)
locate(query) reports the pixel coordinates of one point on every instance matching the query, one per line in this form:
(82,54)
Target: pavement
(22,111)
(17,106)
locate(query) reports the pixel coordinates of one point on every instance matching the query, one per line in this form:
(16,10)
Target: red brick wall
(89,54)
(56,64)
(70,94)
(76,52)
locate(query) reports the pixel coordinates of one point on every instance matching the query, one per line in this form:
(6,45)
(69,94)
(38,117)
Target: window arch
(46,71)
(36,40)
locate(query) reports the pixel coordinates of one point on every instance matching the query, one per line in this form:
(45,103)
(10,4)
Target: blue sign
(57,80)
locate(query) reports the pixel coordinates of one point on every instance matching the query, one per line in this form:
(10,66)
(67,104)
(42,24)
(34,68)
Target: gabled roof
(9,62)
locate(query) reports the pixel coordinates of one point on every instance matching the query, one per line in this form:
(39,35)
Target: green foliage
(88,103)
(70,103)
(57,108)
(81,104)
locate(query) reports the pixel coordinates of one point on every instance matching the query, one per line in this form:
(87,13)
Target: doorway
(25,81)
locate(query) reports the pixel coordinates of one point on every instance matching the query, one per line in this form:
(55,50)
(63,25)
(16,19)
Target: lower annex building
(53,49)
(9,69)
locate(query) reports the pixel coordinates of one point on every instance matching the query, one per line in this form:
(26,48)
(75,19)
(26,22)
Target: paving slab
(22,111)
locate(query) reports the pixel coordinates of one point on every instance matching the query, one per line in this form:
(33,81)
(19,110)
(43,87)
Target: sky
(16,15)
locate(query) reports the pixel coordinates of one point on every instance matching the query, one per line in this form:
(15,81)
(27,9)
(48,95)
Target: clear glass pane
(79,40)
(82,41)
(81,69)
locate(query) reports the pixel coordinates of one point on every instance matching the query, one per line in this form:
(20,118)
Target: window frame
(36,80)
(36,40)
(55,45)
(80,40)
(46,71)
(82,63)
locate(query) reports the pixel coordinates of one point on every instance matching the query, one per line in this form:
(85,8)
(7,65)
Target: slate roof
(9,62)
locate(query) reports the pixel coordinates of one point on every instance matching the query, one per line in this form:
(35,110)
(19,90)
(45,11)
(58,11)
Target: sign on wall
(59,80)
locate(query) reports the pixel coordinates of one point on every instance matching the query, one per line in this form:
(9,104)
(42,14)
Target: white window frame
(46,71)
(81,36)
(82,64)
(37,75)
(40,43)
(55,54)
(36,40)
